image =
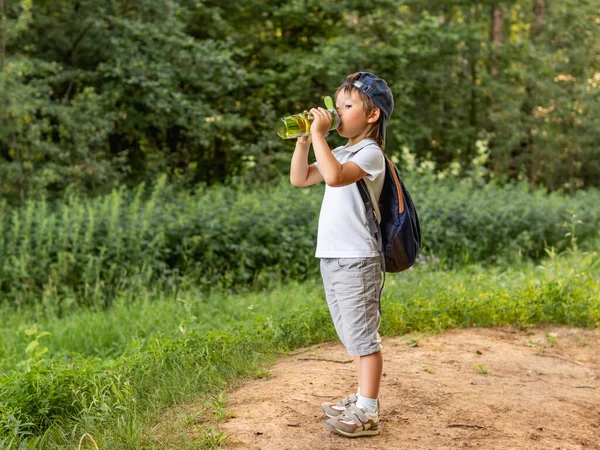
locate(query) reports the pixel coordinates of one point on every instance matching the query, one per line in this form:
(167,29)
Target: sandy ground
(497,388)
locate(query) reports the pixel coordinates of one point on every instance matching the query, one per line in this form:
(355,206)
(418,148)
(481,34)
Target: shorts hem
(364,351)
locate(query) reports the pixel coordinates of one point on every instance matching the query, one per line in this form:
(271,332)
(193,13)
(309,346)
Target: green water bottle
(297,125)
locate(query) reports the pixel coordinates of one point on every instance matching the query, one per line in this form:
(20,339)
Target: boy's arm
(334,173)
(301,173)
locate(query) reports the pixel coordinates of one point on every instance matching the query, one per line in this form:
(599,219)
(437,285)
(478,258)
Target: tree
(496,35)
(96,94)
(2,35)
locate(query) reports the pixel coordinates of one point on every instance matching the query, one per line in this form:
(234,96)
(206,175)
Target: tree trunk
(473,56)
(528,144)
(496,36)
(539,8)
(3,36)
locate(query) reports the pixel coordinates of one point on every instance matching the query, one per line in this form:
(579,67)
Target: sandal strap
(347,402)
(356,415)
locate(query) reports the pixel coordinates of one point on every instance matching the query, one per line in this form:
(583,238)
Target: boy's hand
(321,122)
(304,140)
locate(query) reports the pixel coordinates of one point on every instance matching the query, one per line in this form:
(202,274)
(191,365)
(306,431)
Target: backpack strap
(374,227)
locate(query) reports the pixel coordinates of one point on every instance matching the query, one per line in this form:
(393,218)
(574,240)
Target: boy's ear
(373,116)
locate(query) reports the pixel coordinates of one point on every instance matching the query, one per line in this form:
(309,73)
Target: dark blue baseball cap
(377,90)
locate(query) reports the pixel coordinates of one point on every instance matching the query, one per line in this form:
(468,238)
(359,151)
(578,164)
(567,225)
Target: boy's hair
(382,93)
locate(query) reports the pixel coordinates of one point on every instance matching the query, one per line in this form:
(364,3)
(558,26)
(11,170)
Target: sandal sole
(356,434)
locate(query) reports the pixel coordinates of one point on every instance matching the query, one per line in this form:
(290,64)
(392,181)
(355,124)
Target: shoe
(335,409)
(355,422)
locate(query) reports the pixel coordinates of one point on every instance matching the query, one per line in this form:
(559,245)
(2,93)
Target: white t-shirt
(343,226)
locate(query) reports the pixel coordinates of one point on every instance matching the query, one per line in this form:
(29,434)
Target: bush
(225,237)
(462,221)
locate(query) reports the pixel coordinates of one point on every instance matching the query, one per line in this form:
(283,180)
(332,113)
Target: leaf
(32,346)
(31,330)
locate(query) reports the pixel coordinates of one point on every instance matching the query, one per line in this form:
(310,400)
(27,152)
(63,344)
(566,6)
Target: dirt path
(476,388)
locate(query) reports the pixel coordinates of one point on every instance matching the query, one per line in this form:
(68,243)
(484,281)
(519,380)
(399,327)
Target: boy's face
(351,111)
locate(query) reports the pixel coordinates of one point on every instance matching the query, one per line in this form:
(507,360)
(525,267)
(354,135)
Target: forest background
(152,249)
(96,95)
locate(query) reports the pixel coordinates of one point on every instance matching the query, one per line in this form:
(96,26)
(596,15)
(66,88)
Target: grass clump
(56,392)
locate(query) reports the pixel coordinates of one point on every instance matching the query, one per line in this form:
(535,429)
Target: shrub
(233,237)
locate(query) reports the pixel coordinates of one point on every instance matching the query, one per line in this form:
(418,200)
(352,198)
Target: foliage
(96,94)
(226,238)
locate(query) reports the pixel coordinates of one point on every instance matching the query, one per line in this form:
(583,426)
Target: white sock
(370,404)
(358,392)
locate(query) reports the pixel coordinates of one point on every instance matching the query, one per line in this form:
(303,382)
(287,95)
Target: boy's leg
(362,418)
(358,300)
(328,268)
(358,370)
(371,369)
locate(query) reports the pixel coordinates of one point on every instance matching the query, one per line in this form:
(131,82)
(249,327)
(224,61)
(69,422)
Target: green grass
(141,315)
(106,333)
(113,372)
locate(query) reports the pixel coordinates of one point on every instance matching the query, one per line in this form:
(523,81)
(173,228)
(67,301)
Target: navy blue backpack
(399,233)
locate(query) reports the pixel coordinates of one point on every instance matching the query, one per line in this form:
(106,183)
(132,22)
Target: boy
(350,261)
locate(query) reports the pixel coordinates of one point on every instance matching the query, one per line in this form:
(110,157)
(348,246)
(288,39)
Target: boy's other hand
(305,140)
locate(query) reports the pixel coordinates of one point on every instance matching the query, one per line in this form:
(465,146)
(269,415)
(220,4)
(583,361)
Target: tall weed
(233,238)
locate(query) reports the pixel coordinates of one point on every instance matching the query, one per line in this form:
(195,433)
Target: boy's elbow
(333,180)
(334,177)
(295,182)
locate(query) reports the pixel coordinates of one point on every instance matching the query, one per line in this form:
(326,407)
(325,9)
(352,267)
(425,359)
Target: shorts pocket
(351,264)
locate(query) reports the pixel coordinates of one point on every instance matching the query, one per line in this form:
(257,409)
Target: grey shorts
(352,291)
